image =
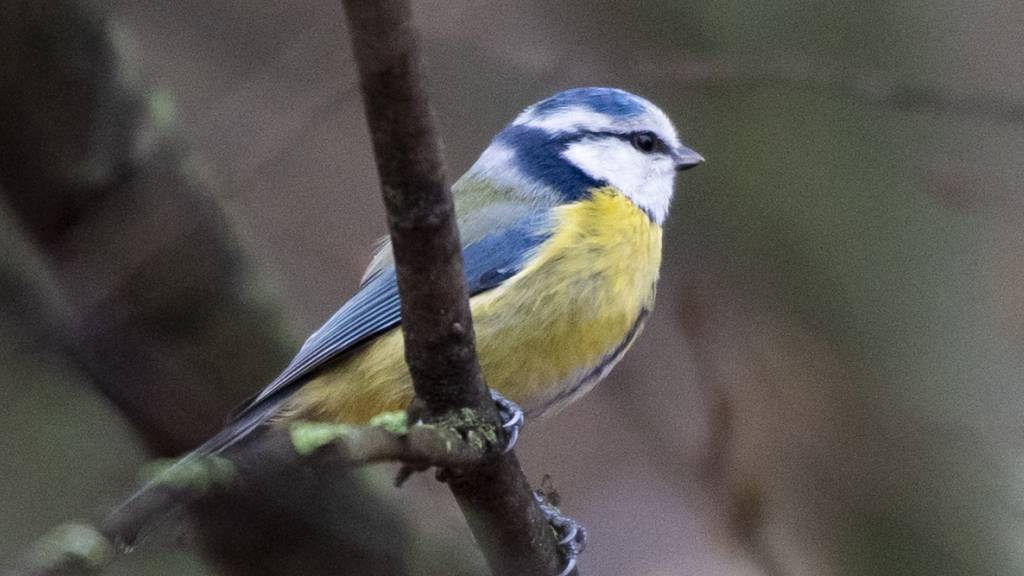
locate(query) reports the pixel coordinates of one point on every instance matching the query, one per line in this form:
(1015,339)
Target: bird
(560,220)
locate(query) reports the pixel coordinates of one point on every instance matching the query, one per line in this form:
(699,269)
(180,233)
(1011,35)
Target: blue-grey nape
(538,155)
(610,101)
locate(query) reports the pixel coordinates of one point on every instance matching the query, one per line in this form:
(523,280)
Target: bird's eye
(644,141)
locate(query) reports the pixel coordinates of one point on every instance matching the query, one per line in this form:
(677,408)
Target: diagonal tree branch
(495,497)
(77,548)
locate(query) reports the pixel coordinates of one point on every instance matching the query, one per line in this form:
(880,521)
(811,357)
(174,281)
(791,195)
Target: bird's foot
(572,536)
(512,419)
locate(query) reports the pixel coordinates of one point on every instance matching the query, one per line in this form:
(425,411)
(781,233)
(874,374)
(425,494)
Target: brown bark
(438,329)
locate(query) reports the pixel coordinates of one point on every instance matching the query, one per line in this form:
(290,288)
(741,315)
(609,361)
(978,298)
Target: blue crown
(610,101)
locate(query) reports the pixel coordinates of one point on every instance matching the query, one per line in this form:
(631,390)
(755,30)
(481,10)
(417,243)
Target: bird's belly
(543,337)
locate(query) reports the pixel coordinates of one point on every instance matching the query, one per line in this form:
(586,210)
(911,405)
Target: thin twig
(439,344)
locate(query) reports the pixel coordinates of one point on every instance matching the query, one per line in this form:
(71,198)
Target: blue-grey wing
(375,309)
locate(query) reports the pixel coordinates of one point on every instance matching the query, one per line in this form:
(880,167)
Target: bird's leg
(512,419)
(572,536)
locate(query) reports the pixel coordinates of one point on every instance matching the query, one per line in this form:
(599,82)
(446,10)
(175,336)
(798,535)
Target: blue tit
(561,227)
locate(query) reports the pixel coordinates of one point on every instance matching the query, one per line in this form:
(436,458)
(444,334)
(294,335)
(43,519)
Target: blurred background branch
(833,79)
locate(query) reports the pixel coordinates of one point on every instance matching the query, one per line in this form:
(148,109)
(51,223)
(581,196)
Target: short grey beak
(685,158)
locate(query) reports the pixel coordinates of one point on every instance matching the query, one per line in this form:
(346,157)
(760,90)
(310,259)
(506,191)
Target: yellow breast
(544,330)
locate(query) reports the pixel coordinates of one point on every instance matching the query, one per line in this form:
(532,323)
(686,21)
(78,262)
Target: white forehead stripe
(565,120)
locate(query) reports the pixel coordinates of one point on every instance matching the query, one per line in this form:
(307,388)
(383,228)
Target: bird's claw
(512,419)
(572,536)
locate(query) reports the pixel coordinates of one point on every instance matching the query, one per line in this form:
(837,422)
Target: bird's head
(585,138)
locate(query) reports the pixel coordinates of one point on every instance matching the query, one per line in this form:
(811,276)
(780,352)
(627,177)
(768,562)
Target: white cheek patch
(647,180)
(610,159)
(658,189)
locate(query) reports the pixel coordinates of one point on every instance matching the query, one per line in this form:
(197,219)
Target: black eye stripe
(659,144)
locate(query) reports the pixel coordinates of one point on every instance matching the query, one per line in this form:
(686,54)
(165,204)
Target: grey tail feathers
(241,425)
(251,419)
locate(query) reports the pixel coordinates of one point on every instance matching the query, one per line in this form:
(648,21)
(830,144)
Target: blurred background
(831,382)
